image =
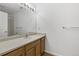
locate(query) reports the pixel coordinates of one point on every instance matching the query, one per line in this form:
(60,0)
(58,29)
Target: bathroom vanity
(33,45)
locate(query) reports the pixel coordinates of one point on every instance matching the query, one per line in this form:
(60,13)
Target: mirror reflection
(17,18)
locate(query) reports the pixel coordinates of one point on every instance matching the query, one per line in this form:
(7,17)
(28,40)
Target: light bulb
(26,3)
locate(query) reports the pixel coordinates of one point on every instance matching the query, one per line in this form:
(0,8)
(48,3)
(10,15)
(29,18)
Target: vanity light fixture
(27,5)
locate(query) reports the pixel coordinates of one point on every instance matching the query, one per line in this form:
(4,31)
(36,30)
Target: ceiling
(9,7)
(12,7)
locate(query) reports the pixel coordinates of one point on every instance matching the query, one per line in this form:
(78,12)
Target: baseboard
(52,54)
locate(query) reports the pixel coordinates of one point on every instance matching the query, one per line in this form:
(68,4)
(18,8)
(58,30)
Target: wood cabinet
(35,48)
(30,49)
(17,52)
(38,48)
(30,52)
(42,45)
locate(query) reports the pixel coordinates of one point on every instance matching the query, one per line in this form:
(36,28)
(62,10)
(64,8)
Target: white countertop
(9,45)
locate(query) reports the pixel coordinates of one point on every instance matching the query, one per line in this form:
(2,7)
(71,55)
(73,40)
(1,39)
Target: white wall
(10,20)
(3,24)
(24,21)
(50,20)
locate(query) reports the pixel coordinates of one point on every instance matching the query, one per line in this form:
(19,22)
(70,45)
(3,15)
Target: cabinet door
(38,48)
(42,45)
(17,52)
(30,52)
(30,49)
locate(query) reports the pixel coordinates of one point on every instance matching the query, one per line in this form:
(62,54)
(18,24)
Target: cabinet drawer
(17,52)
(29,46)
(37,42)
(30,52)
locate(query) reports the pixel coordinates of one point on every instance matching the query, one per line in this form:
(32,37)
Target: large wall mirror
(17,18)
